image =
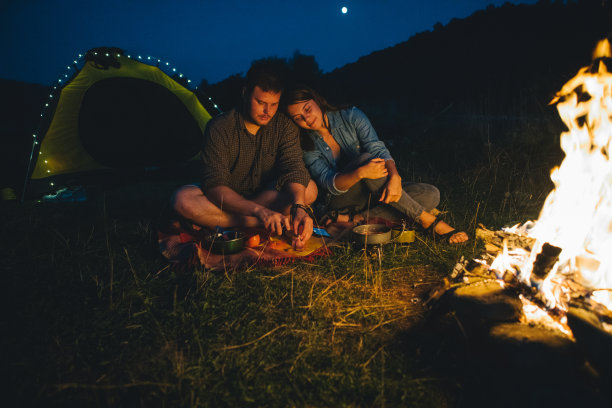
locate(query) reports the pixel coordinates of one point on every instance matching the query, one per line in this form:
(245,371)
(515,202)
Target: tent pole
(27,177)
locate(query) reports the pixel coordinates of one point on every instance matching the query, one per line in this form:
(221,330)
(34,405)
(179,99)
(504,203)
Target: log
(545,261)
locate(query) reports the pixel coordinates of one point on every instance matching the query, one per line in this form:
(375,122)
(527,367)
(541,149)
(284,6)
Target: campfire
(566,255)
(552,278)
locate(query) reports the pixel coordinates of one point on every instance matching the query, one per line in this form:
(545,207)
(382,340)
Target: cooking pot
(370,234)
(226,242)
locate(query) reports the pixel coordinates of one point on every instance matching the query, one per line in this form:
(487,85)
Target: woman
(355,169)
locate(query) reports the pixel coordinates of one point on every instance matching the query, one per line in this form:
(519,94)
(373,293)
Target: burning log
(494,240)
(545,261)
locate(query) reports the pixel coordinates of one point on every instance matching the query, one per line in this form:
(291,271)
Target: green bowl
(228,242)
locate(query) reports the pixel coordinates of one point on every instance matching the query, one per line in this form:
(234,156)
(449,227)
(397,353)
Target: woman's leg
(425,194)
(415,198)
(355,197)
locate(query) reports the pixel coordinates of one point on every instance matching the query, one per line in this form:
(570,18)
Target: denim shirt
(354,133)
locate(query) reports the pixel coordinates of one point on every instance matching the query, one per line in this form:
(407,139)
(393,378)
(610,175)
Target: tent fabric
(124,115)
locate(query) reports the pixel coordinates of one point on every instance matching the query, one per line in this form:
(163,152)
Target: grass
(95,315)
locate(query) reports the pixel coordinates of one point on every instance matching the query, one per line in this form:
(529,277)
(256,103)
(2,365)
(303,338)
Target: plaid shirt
(246,163)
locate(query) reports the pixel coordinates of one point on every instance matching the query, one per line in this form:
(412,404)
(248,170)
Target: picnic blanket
(184,246)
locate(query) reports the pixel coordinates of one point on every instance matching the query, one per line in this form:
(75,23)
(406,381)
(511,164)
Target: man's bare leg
(281,201)
(191,203)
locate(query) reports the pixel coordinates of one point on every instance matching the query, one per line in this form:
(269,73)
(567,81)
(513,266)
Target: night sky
(211,39)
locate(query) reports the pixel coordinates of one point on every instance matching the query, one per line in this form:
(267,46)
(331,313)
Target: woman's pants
(364,196)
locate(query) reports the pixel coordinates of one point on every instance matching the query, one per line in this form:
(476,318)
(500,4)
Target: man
(254,174)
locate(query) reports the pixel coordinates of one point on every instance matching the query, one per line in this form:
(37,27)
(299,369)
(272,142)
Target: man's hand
(373,169)
(392,191)
(302,228)
(272,220)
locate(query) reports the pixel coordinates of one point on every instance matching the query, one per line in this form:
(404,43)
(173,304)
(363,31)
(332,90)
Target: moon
(344,10)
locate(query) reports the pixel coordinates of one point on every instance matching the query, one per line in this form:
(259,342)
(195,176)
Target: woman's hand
(392,191)
(373,169)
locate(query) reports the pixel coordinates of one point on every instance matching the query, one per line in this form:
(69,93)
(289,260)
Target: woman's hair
(303,93)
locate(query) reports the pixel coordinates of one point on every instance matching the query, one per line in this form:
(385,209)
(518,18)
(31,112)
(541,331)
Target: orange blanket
(187,248)
(182,247)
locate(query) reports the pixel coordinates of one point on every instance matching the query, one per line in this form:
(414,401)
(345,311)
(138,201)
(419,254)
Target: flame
(602,50)
(577,214)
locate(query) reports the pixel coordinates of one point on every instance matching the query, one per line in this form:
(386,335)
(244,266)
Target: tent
(114,115)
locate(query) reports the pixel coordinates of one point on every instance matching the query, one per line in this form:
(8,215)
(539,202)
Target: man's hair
(268,74)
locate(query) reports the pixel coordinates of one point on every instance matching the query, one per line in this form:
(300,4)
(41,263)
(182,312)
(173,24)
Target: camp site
(113,300)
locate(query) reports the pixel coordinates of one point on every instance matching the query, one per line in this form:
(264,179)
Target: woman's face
(306,114)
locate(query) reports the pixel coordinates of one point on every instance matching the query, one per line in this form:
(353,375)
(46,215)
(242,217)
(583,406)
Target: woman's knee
(431,197)
(426,195)
(376,185)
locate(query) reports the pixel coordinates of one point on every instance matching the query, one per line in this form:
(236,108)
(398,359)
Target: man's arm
(301,224)
(230,201)
(289,161)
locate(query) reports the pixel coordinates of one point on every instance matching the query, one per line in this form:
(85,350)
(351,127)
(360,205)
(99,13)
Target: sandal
(331,216)
(444,237)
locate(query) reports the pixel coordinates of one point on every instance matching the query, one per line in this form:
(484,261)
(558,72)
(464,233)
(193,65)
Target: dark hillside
(444,97)
(506,55)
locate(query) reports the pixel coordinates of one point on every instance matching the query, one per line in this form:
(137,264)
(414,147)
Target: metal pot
(370,234)
(228,242)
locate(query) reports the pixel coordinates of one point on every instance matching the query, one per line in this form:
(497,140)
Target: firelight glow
(577,214)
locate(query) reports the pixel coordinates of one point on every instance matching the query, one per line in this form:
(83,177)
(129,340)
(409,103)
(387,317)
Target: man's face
(262,106)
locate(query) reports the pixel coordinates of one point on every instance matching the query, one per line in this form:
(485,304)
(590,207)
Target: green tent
(115,115)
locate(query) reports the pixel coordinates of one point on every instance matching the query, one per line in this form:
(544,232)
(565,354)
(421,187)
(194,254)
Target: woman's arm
(393,189)
(373,169)
(321,171)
